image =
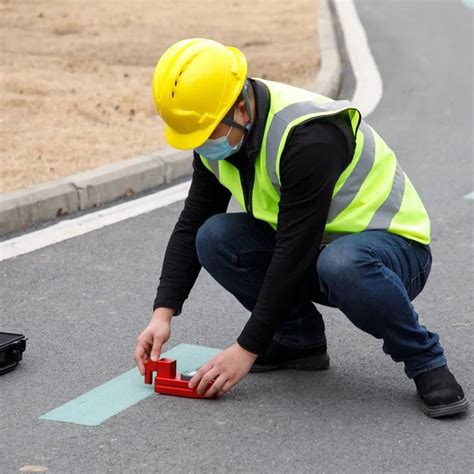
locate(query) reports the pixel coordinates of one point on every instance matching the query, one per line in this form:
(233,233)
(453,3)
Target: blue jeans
(371,277)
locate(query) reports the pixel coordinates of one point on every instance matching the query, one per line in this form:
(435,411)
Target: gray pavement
(83,302)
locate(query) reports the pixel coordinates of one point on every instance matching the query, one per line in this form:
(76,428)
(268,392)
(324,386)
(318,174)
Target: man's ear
(243,111)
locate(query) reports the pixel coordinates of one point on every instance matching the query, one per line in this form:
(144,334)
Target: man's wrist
(247,352)
(164,314)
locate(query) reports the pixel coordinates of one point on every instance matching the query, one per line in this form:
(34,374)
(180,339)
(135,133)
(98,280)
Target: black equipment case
(11,350)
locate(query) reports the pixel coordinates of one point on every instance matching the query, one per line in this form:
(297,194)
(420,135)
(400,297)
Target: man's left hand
(226,369)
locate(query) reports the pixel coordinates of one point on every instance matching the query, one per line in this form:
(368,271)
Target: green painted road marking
(101,403)
(469,196)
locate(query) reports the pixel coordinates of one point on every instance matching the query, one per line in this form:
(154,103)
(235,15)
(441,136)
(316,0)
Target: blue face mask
(220,148)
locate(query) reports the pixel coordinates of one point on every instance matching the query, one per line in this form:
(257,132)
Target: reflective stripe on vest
(280,123)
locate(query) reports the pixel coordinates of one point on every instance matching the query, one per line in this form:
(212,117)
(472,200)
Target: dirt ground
(75,76)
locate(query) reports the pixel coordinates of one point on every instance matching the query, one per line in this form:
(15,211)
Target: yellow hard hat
(195,84)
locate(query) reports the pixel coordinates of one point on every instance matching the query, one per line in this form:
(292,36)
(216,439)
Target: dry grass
(75,75)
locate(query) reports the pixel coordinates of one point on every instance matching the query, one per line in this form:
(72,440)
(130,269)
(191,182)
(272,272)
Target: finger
(216,387)
(206,379)
(198,375)
(139,358)
(156,349)
(226,387)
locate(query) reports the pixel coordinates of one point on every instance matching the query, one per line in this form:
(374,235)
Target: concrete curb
(22,208)
(19,209)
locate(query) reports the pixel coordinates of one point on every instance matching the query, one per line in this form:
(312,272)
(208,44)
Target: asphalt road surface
(83,302)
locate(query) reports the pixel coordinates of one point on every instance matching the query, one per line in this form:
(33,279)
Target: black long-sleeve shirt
(314,156)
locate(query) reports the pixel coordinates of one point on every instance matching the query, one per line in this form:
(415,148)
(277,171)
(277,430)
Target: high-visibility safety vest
(372,192)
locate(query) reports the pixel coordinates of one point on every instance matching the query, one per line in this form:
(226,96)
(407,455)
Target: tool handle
(165,368)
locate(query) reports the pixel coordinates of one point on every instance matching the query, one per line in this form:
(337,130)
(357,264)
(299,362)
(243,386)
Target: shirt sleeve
(181,266)
(313,159)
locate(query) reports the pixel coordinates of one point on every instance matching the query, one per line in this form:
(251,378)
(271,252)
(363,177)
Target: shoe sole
(319,362)
(445,410)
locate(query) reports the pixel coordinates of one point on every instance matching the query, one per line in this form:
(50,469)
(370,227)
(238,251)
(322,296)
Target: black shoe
(280,357)
(440,394)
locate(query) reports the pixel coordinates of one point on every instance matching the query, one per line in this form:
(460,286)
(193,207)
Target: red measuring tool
(167,382)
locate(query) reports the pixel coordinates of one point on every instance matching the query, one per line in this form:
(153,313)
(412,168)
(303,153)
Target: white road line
(70,228)
(367,95)
(369,87)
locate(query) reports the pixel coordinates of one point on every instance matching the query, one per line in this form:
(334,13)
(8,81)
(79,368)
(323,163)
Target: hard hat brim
(187,141)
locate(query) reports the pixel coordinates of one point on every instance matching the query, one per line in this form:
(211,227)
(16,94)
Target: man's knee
(343,269)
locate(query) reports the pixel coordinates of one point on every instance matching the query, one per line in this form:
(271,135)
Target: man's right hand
(153,337)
